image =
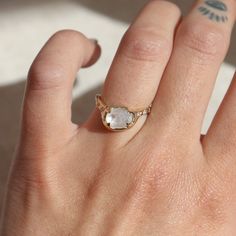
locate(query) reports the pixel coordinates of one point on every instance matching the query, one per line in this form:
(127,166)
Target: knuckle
(43,77)
(145,45)
(215,187)
(45,73)
(152,177)
(212,204)
(35,180)
(203,41)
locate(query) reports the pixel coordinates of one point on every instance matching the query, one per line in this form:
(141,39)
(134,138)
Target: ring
(117,118)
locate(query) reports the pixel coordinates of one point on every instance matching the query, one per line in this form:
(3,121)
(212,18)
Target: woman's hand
(157,178)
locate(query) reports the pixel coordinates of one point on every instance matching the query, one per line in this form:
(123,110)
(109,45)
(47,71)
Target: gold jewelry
(117,118)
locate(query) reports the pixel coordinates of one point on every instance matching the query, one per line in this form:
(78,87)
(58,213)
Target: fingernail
(95,41)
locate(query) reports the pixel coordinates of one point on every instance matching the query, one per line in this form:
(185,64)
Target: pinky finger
(47,103)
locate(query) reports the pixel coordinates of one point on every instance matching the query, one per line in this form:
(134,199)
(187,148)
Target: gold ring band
(117,118)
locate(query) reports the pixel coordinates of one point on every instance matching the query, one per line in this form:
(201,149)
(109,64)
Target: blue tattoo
(214,14)
(217,5)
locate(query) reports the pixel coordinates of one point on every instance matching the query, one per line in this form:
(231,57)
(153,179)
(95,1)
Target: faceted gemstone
(119,118)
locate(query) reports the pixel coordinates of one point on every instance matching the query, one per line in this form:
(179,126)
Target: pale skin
(158,178)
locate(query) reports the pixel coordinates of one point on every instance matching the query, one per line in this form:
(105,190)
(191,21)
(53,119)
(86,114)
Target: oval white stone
(119,118)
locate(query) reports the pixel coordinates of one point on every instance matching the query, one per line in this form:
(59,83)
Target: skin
(157,178)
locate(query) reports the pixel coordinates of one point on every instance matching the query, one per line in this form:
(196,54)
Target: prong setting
(117,118)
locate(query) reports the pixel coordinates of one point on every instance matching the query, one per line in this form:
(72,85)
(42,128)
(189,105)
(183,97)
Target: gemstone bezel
(128,125)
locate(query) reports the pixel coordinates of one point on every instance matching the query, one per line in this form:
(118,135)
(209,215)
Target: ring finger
(137,68)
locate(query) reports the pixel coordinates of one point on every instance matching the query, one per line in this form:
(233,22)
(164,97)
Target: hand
(157,178)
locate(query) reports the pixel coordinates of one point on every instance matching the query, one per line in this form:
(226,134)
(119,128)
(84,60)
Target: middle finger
(201,43)
(138,66)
